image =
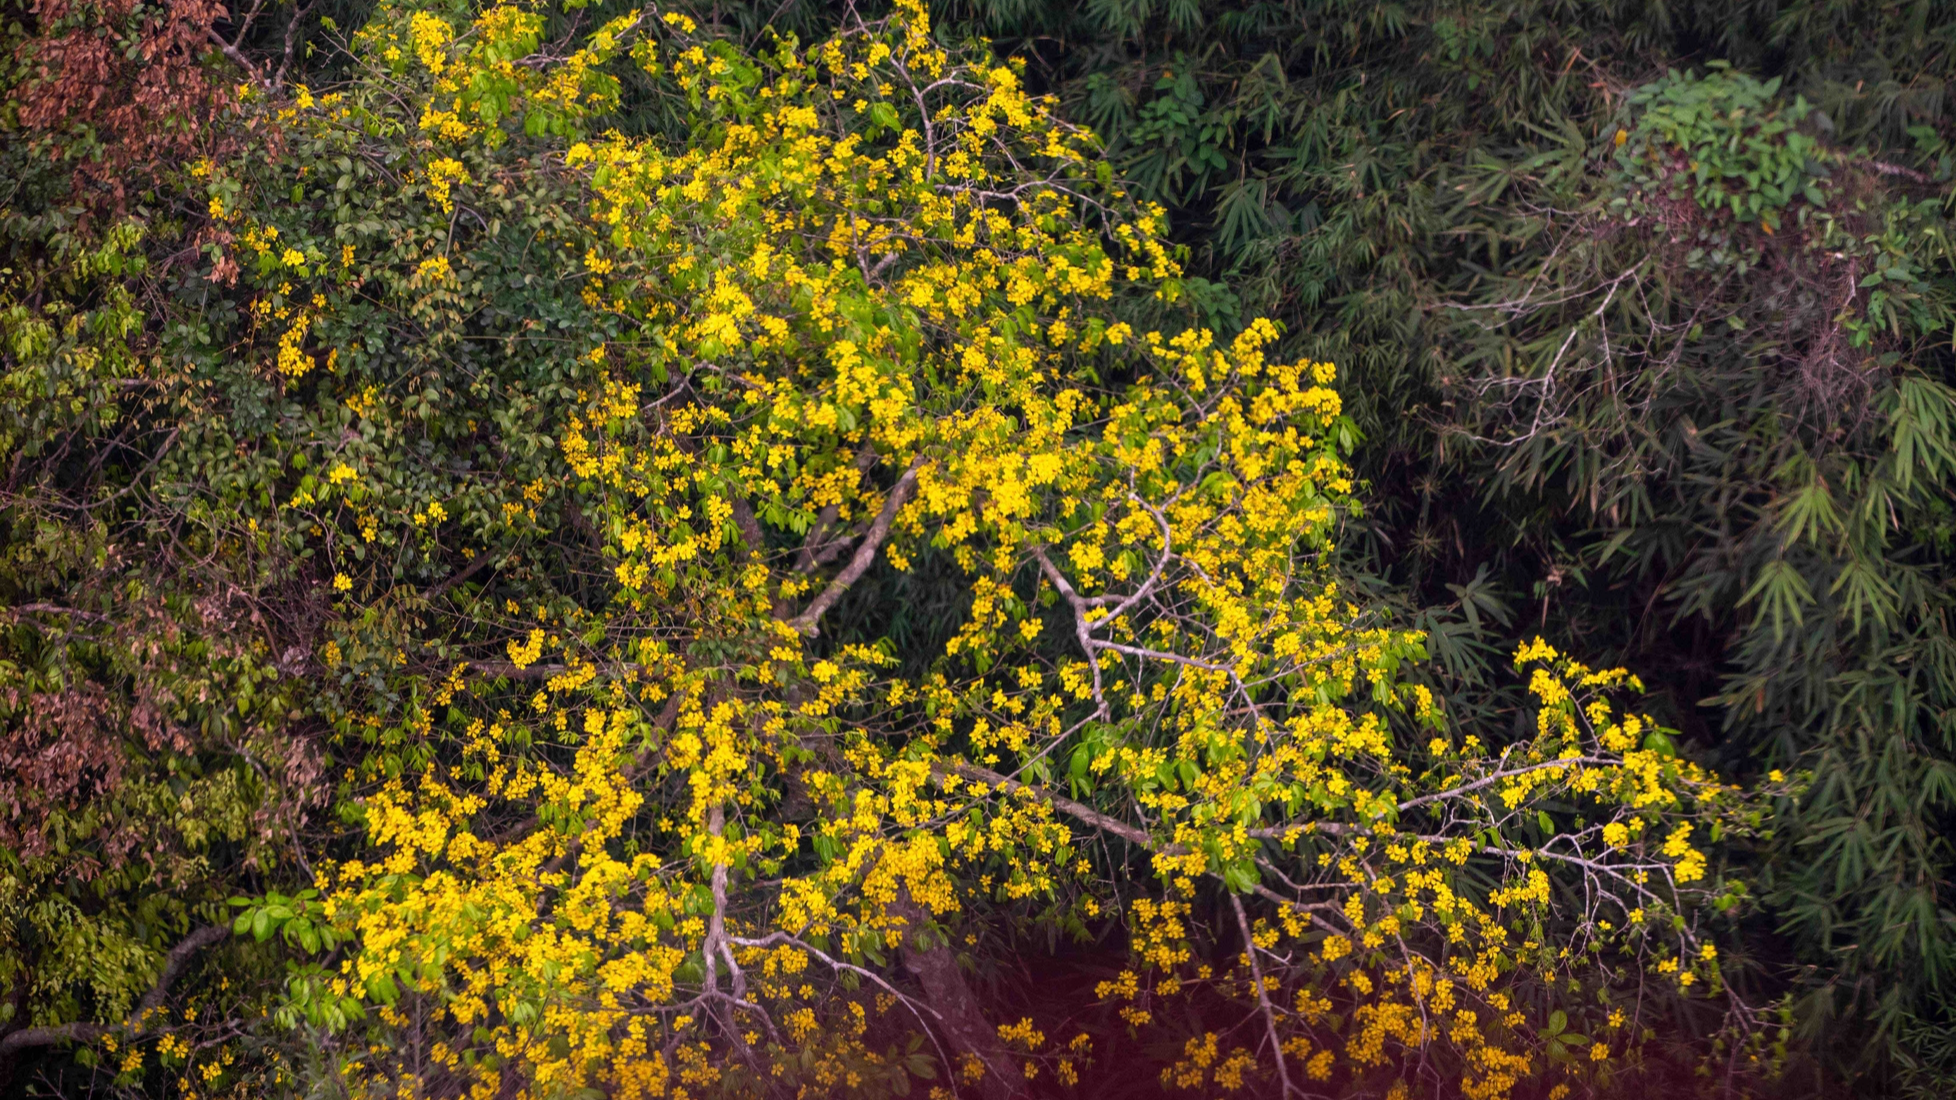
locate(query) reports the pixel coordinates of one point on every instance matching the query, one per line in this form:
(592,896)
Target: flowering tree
(593,445)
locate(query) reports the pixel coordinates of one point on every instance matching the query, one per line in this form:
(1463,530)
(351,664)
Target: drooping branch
(916,1007)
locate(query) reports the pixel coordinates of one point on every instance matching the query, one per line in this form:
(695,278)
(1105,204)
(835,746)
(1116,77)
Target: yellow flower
(342,582)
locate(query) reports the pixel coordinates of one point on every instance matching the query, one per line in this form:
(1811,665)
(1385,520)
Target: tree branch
(291,40)
(749,526)
(230,48)
(1076,810)
(1262,995)
(1489,780)
(1090,816)
(474,565)
(526,672)
(81,1032)
(865,552)
(1082,630)
(814,551)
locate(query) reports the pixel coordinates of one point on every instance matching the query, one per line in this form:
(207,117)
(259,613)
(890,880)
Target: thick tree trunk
(962,1025)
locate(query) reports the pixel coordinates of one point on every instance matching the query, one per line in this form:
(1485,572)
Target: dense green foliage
(1644,314)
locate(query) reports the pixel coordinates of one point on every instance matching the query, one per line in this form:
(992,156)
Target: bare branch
(1082,630)
(1262,995)
(291,40)
(230,48)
